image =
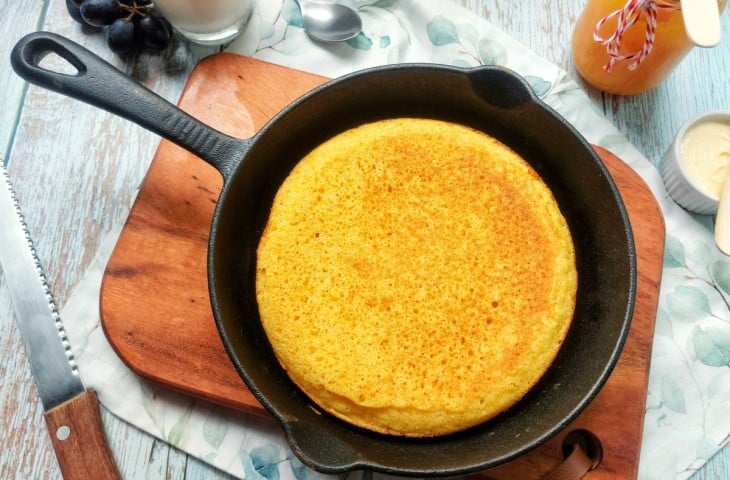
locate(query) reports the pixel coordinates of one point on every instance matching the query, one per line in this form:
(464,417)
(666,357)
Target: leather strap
(574,467)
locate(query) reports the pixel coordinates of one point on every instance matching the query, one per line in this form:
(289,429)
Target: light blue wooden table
(71,201)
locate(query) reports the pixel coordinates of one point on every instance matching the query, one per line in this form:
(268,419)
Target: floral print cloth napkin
(689,390)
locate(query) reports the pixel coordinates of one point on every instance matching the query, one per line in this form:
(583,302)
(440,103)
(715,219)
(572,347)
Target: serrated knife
(71,412)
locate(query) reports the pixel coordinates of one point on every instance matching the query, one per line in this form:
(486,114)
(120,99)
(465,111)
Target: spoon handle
(722,220)
(701,21)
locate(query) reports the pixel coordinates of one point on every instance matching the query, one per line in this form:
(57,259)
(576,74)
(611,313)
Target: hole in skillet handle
(582,452)
(587,442)
(501,87)
(102,85)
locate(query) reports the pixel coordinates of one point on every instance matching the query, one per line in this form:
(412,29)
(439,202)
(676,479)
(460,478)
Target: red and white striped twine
(626,18)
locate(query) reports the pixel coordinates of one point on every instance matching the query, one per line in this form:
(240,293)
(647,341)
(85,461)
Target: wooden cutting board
(155,307)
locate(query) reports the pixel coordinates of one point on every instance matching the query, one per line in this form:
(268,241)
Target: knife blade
(71,411)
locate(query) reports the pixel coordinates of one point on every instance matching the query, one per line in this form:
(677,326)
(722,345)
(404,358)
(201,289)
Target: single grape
(120,36)
(74,9)
(164,22)
(155,30)
(100,13)
(128,24)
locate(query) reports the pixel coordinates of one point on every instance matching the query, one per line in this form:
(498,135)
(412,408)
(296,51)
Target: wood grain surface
(74,182)
(155,308)
(18,17)
(77,435)
(163,247)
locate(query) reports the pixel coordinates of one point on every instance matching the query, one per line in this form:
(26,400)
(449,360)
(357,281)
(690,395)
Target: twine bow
(626,18)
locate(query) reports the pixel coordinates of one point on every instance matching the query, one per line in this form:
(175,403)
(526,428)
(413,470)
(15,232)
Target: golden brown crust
(416,277)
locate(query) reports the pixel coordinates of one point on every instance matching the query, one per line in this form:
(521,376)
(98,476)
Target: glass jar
(623,59)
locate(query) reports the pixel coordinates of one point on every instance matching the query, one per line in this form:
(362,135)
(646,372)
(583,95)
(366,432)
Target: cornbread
(416,277)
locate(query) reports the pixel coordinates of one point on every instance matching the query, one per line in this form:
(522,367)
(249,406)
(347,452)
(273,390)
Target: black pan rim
(478,464)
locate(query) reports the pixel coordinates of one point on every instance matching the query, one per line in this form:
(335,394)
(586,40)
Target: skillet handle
(501,87)
(100,84)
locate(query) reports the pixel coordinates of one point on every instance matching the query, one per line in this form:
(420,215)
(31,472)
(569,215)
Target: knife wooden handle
(77,434)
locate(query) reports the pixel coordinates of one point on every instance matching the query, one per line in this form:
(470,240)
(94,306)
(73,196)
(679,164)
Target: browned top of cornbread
(416,277)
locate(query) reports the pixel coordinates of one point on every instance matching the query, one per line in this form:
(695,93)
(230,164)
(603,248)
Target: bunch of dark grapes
(128,24)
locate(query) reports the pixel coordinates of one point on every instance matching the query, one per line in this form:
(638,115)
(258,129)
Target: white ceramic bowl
(682,188)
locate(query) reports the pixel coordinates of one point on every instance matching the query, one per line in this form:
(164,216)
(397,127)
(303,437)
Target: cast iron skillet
(491,99)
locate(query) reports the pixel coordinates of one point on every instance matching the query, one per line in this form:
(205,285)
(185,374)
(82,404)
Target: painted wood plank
(25,447)
(18,398)
(18,18)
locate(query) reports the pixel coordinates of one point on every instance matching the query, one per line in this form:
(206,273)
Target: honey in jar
(629,46)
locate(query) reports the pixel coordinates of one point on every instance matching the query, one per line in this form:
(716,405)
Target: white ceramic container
(685,190)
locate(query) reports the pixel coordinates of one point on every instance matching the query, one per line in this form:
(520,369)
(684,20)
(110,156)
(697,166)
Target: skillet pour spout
(491,99)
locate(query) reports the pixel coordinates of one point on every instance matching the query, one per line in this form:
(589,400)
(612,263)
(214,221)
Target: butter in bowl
(696,164)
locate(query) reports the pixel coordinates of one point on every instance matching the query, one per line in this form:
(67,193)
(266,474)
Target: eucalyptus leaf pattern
(265,459)
(712,345)
(491,52)
(300,471)
(178,431)
(214,431)
(385,3)
(267,32)
(149,403)
(663,325)
(292,14)
(360,42)
(720,272)
(689,384)
(442,31)
(672,395)
(698,254)
(467,33)
(539,85)
(719,388)
(673,252)
(250,472)
(687,302)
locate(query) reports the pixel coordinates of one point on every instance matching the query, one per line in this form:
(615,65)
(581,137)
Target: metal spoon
(329,22)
